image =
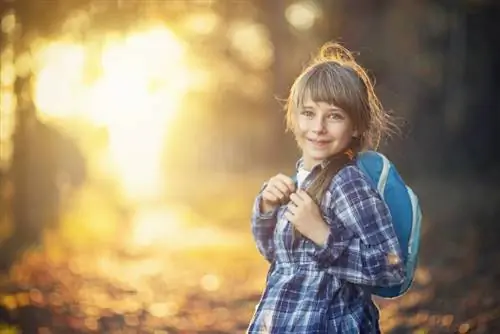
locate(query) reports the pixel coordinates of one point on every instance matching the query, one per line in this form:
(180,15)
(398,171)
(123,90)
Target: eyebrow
(332,108)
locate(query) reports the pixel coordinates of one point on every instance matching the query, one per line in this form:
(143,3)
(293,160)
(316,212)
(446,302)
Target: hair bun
(335,51)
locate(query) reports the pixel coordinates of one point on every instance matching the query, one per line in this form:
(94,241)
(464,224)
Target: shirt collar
(300,165)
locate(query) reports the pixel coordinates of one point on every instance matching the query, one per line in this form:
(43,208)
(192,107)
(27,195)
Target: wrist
(320,234)
(265,207)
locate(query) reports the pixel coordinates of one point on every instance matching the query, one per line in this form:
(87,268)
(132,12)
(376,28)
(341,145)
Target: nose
(318,124)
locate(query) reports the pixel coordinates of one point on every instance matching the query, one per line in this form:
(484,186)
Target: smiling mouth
(319,142)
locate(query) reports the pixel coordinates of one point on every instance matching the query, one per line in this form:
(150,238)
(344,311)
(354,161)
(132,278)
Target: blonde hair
(336,78)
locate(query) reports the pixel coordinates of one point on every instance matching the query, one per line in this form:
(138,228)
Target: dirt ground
(214,288)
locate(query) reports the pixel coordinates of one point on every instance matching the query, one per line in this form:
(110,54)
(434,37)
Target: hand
(276,192)
(306,217)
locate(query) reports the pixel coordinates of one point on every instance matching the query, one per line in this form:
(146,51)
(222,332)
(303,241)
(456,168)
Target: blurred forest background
(134,136)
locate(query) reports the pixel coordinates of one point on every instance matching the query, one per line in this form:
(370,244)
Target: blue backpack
(405,211)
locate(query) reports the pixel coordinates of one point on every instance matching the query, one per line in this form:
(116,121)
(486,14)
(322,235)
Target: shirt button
(393,259)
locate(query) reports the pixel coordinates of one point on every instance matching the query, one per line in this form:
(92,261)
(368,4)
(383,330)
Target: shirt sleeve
(263,228)
(362,247)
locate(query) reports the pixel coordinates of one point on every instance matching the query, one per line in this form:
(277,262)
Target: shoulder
(351,185)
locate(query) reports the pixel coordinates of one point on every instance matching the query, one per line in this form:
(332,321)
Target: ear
(355,134)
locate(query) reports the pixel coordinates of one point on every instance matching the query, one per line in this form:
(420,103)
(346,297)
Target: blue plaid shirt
(312,289)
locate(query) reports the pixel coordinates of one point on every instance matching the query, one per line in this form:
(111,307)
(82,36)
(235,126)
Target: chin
(319,157)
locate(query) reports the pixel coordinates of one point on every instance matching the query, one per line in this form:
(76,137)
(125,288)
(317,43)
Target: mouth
(319,143)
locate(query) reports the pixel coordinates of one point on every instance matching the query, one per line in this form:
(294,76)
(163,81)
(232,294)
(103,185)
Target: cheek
(348,135)
(342,133)
(299,127)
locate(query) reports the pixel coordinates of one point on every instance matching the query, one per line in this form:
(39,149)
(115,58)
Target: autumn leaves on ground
(205,276)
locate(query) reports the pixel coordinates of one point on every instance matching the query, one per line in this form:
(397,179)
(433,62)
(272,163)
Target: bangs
(330,83)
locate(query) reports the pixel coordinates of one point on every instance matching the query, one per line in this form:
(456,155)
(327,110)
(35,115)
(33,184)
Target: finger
(289,216)
(287,181)
(291,208)
(276,193)
(296,199)
(282,186)
(269,196)
(303,195)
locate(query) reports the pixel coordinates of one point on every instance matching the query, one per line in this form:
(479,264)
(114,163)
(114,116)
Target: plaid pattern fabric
(311,289)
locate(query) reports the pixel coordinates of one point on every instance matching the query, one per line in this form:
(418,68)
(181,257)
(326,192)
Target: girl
(329,238)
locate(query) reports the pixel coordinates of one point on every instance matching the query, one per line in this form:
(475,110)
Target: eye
(335,116)
(307,113)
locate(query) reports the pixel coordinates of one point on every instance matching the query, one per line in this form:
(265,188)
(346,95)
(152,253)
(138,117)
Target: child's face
(322,130)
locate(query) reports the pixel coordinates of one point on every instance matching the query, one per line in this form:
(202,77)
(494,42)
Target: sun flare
(132,86)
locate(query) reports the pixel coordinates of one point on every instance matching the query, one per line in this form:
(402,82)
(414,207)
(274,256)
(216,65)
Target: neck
(309,165)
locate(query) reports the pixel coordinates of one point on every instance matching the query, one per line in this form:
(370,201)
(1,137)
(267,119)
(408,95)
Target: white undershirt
(301,176)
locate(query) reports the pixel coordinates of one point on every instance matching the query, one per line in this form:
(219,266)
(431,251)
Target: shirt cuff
(256,208)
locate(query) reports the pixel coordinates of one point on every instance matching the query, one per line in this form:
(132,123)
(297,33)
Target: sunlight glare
(302,15)
(139,84)
(210,282)
(153,226)
(202,23)
(252,42)
(58,82)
